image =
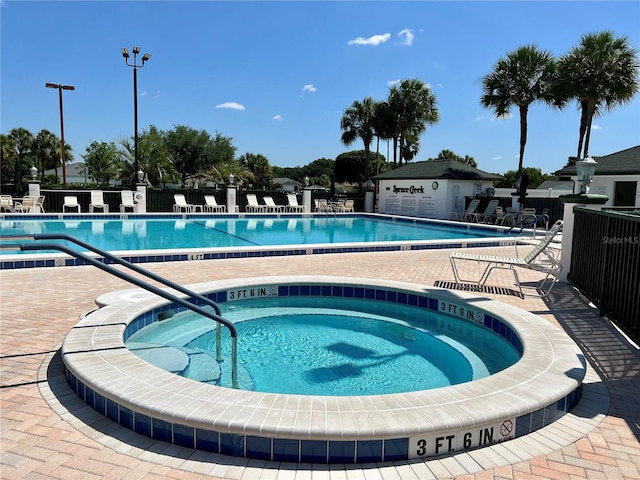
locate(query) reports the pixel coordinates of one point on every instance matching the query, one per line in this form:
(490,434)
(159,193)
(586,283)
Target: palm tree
(47,151)
(22,141)
(524,76)
(382,127)
(600,73)
(358,122)
(414,106)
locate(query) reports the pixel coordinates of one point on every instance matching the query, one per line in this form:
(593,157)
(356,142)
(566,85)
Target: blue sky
(277,76)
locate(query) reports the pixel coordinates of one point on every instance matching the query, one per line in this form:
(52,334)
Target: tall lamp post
(135,66)
(63,156)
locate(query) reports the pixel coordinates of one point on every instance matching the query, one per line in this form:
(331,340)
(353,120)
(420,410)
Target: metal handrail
(146,286)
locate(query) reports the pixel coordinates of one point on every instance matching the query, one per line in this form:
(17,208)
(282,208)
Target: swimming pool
(539,389)
(328,346)
(160,238)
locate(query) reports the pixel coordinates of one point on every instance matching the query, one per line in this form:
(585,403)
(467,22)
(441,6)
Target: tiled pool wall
(313,450)
(182,255)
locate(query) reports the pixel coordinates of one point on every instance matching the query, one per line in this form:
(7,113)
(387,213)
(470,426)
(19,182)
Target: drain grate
(473,287)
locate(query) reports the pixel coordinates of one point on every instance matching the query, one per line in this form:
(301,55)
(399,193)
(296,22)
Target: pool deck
(46,431)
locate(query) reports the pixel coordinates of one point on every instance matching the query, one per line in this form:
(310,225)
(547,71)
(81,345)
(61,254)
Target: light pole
(135,66)
(62,152)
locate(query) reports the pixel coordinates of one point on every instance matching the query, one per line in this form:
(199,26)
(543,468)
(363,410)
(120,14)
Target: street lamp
(135,66)
(586,169)
(62,152)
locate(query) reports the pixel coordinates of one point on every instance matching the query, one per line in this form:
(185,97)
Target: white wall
(421,198)
(605,185)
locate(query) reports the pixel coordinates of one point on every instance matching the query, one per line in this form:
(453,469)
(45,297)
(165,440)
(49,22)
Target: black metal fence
(605,264)
(553,205)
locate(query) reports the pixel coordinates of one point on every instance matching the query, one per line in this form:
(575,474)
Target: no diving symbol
(506,428)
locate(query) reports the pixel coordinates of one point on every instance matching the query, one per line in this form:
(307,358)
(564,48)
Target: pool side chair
(467,216)
(39,205)
(181,204)
(71,202)
(253,205)
(293,205)
(272,206)
(126,197)
(540,259)
(97,202)
(347,206)
(322,205)
(6,203)
(211,205)
(26,205)
(489,212)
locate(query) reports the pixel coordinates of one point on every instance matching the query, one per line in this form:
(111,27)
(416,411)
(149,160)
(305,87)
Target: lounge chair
(71,202)
(293,205)
(253,205)
(272,206)
(39,205)
(539,259)
(97,201)
(126,197)
(488,213)
(210,204)
(322,205)
(502,218)
(467,216)
(26,205)
(6,203)
(347,206)
(181,204)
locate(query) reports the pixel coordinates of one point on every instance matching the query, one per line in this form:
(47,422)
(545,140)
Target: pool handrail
(146,286)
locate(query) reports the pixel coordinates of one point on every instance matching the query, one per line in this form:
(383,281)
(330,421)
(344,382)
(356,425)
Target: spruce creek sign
(411,189)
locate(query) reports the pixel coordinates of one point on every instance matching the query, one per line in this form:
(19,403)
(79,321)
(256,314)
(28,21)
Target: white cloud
(309,88)
(277,118)
(391,83)
(596,127)
(373,40)
(497,158)
(231,105)
(408,36)
(157,94)
(143,94)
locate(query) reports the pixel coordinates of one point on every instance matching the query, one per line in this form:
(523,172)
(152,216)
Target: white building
(617,176)
(432,188)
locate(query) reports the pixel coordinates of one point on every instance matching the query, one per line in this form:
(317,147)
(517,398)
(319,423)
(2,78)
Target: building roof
(624,162)
(556,185)
(75,169)
(285,181)
(437,169)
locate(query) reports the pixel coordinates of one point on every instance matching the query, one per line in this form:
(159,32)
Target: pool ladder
(216,317)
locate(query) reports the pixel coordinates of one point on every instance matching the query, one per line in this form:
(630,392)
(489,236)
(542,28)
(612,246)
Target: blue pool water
(327,346)
(180,233)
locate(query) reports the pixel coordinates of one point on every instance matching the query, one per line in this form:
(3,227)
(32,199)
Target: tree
(534,175)
(414,107)
(383,126)
(524,76)
(260,168)
(154,158)
(102,160)
(358,122)
(21,141)
(7,158)
(449,155)
(350,167)
(46,151)
(601,73)
(190,150)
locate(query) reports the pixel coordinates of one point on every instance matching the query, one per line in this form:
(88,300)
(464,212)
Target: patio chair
(322,205)
(39,205)
(210,204)
(253,205)
(488,213)
(347,206)
(26,205)
(126,197)
(71,202)
(504,218)
(97,201)
(467,216)
(540,259)
(181,204)
(293,205)
(6,203)
(272,206)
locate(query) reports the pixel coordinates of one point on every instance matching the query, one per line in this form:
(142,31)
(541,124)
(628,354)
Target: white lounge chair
(6,203)
(71,202)
(39,205)
(322,205)
(26,205)
(488,213)
(539,260)
(467,216)
(97,201)
(293,205)
(210,204)
(126,197)
(347,206)
(181,204)
(272,206)
(253,205)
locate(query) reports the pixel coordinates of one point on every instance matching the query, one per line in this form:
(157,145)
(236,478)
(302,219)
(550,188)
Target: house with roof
(286,184)
(432,188)
(617,176)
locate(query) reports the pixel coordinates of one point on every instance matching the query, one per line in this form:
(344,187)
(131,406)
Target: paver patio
(47,432)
